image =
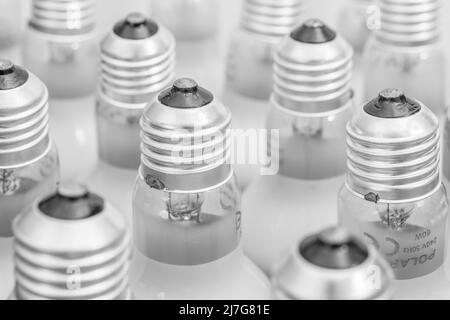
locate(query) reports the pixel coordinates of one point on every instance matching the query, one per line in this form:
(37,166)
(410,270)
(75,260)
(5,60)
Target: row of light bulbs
(72,244)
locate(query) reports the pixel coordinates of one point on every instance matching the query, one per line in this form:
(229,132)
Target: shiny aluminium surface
(394,158)
(333,265)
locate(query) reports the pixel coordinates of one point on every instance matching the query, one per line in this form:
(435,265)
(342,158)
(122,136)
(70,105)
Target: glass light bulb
(28,162)
(394,196)
(187,246)
(411,235)
(250,69)
(136,59)
(59,46)
(353,22)
(311,104)
(19,187)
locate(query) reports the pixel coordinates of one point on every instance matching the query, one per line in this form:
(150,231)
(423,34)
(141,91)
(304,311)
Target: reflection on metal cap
(11,76)
(393,149)
(185,139)
(334,265)
(333,249)
(81,256)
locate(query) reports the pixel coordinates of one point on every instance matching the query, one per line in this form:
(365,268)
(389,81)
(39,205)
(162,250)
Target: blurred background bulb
(85,252)
(60,46)
(250,65)
(28,159)
(355,20)
(11,23)
(195,25)
(60,43)
(333,265)
(393,195)
(137,60)
(186,204)
(311,104)
(405,52)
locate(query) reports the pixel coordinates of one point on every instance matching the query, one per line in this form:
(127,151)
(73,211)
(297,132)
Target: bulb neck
(189,228)
(271,18)
(70,17)
(409,23)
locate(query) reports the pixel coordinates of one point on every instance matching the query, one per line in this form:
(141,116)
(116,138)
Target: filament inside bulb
(394,216)
(9,182)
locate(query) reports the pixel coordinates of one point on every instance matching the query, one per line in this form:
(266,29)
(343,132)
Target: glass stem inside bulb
(186,228)
(184,207)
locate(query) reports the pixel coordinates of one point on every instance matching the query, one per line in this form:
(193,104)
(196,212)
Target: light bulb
(405,52)
(60,46)
(137,60)
(311,104)
(355,21)
(393,195)
(250,66)
(28,159)
(186,204)
(10,22)
(195,25)
(85,252)
(333,265)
